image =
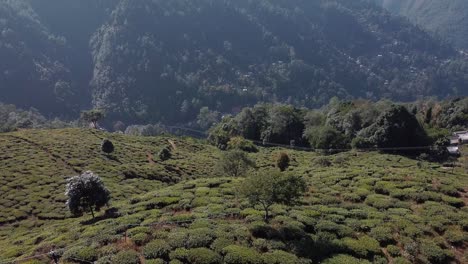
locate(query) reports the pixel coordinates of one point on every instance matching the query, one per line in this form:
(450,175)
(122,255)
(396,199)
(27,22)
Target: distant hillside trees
(13,118)
(273,187)
(92,116)
(396,127)
(86,193)
(342,125)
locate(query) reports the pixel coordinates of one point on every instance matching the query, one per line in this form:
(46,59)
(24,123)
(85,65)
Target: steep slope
(33,69)
(448,19)
(368,206)
(156,57)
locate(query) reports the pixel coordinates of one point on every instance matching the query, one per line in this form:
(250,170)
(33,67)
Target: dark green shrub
(156,249)
(383,234)
(434,253)
(280,257)
(139,239)
(393,250)
(234,163)
(455,202)
(155,261)
(220,243)
(126,257)
(241,144)
(203,256)
(282,161)
(200,237)
(344,259)
(241,255)
(177,239)
(165,153)
(456,235)
(401,260)
(364,246)
(85,253)
(179,254)
(107,146)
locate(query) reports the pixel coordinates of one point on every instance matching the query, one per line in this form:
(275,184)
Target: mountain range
(447,19)
(153,60)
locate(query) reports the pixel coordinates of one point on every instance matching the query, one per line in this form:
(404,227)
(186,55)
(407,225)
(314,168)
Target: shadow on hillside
(113,158)
(300,241)
(108,214)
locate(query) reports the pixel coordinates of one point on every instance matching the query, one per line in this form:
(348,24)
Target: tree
(326,137)
(92,116)
(165,153)
(284,123)
(235,163)
(86,193)
(272,187)
(396,128)
(206,118)
(107,146)
(282,161)
(241,143)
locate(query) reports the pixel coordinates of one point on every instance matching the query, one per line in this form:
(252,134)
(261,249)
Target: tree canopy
(86,193)
(273,187)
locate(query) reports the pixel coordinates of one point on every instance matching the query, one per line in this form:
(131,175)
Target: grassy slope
(360,198)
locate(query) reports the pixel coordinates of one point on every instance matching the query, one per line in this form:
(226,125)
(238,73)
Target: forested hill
(449,19)
(164,60)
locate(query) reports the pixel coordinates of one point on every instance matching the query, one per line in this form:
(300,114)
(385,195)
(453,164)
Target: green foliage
(273,187)
(280,257)
(156,249)
(241,255)
(85,253)
(126,257)
(107,146)
(86,192)
(325,138)
(339,207)
(200,237)
(434,253)
(235,163)
(203,256)
(396,127)
(341,259)
(165,154)
(363,246)
(207,118)
(282,161)
(92,116)
(241,144)
(383,234)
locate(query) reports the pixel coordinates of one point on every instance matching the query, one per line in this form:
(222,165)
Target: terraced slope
(364,207)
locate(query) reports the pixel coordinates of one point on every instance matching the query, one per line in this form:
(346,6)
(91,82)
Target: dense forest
(149,61)
(448,19)
(342,125)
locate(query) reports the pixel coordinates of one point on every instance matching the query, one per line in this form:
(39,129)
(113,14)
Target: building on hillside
(453,150)
(462,136)
(457,139)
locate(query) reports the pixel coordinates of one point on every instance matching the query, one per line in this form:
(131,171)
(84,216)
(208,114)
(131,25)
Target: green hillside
(359,207)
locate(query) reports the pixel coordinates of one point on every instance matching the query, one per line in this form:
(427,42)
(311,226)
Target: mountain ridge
(151,61)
